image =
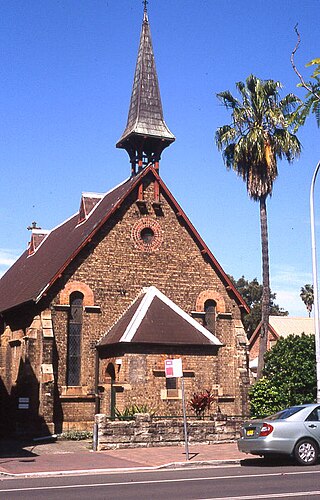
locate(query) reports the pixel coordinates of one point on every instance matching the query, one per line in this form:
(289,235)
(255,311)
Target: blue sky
(66,74)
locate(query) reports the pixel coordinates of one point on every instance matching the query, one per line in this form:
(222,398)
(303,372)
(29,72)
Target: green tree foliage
(265,398)
(259,134)
(311,104)
(289,376)
(251,291)
(307,297)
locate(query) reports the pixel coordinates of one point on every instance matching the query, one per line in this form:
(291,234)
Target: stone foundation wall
(146,431)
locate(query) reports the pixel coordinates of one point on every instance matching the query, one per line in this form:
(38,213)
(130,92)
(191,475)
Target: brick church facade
(91,310)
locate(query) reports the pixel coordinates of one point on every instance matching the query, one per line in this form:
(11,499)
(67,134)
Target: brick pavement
(62,457)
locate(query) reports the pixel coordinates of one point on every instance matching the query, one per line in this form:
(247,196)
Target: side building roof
(31,276)
(283,326)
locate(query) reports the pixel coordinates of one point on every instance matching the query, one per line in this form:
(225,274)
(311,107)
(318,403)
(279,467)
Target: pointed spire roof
(146,133)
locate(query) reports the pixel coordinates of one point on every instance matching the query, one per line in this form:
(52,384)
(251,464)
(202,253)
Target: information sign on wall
(23,403)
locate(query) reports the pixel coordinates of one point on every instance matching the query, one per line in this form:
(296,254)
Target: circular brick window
(146,234)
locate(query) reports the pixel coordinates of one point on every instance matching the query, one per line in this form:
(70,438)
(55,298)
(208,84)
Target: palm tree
(307,297)
(259,135)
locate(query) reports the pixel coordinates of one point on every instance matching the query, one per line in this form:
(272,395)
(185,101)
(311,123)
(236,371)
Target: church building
(92,309)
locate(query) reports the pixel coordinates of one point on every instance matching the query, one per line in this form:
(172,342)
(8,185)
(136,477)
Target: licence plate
(249,432)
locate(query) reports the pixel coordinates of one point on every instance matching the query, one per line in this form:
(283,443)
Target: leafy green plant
(76,435)
(130,411)
(200,402)
(265,398)
(289,376)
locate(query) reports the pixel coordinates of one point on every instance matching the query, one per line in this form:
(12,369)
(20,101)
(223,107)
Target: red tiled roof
(154,319)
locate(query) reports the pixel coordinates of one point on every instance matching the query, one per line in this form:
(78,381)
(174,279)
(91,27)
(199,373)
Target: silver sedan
(294,431)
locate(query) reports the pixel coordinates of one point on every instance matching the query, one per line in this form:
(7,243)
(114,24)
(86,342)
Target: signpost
(173,369)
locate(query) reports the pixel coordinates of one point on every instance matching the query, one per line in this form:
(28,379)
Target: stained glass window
(74,339)
(210,315)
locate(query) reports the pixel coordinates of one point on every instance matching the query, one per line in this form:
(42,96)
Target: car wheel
(306,452)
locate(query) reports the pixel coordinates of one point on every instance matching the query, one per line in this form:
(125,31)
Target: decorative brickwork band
(211,295)
(77,286)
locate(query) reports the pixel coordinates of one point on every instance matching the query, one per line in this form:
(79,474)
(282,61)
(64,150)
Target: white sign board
(173,368)
(23,403)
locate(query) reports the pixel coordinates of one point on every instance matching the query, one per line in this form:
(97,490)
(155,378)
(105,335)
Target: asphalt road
(232,483)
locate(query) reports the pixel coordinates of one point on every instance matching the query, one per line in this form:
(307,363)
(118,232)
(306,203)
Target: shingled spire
(146,134)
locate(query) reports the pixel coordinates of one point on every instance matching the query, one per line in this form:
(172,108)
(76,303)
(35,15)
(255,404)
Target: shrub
(76,435)
(130,411)
(201,402)
(265,398)
(289,376)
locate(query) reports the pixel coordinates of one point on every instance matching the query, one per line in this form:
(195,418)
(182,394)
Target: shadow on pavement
(272,461)
(15,448)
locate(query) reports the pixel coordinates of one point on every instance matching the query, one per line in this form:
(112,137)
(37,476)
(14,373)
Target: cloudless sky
(66,74)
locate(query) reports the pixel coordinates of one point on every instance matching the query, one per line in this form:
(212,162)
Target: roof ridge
(103,195)
(138,316)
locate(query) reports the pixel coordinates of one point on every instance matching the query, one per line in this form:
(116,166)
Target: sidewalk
(63,457)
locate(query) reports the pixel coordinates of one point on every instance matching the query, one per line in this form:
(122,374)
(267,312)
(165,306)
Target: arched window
(74,339)
(210,315)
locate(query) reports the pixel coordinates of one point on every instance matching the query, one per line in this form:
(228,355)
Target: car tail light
(266,429)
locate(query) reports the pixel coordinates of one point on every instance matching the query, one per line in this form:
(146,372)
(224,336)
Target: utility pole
(315,279)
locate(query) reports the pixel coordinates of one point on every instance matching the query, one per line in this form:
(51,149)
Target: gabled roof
(31,276)
(88,202)
(283,326)
(154,319)
(286,325)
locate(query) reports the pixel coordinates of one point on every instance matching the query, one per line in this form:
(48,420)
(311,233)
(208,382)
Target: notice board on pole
(173,368)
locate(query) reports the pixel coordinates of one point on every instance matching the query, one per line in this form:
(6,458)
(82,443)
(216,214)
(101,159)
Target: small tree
(289,376)
(307,297)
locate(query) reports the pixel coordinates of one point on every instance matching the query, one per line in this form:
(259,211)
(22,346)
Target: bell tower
(146,134)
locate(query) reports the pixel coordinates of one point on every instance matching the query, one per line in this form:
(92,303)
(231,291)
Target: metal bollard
(95,437)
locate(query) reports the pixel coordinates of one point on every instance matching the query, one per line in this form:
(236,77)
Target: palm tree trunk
(265,285)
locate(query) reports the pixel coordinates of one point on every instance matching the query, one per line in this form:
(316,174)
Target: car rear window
(288,412)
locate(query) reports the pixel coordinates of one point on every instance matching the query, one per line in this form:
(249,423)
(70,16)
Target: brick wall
(140,379)
(114,269)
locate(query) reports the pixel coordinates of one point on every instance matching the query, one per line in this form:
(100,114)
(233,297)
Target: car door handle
(312,426)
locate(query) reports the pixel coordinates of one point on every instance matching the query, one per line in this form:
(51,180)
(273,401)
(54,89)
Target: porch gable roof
(155,319)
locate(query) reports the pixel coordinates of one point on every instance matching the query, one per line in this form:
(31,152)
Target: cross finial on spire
(145,3)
